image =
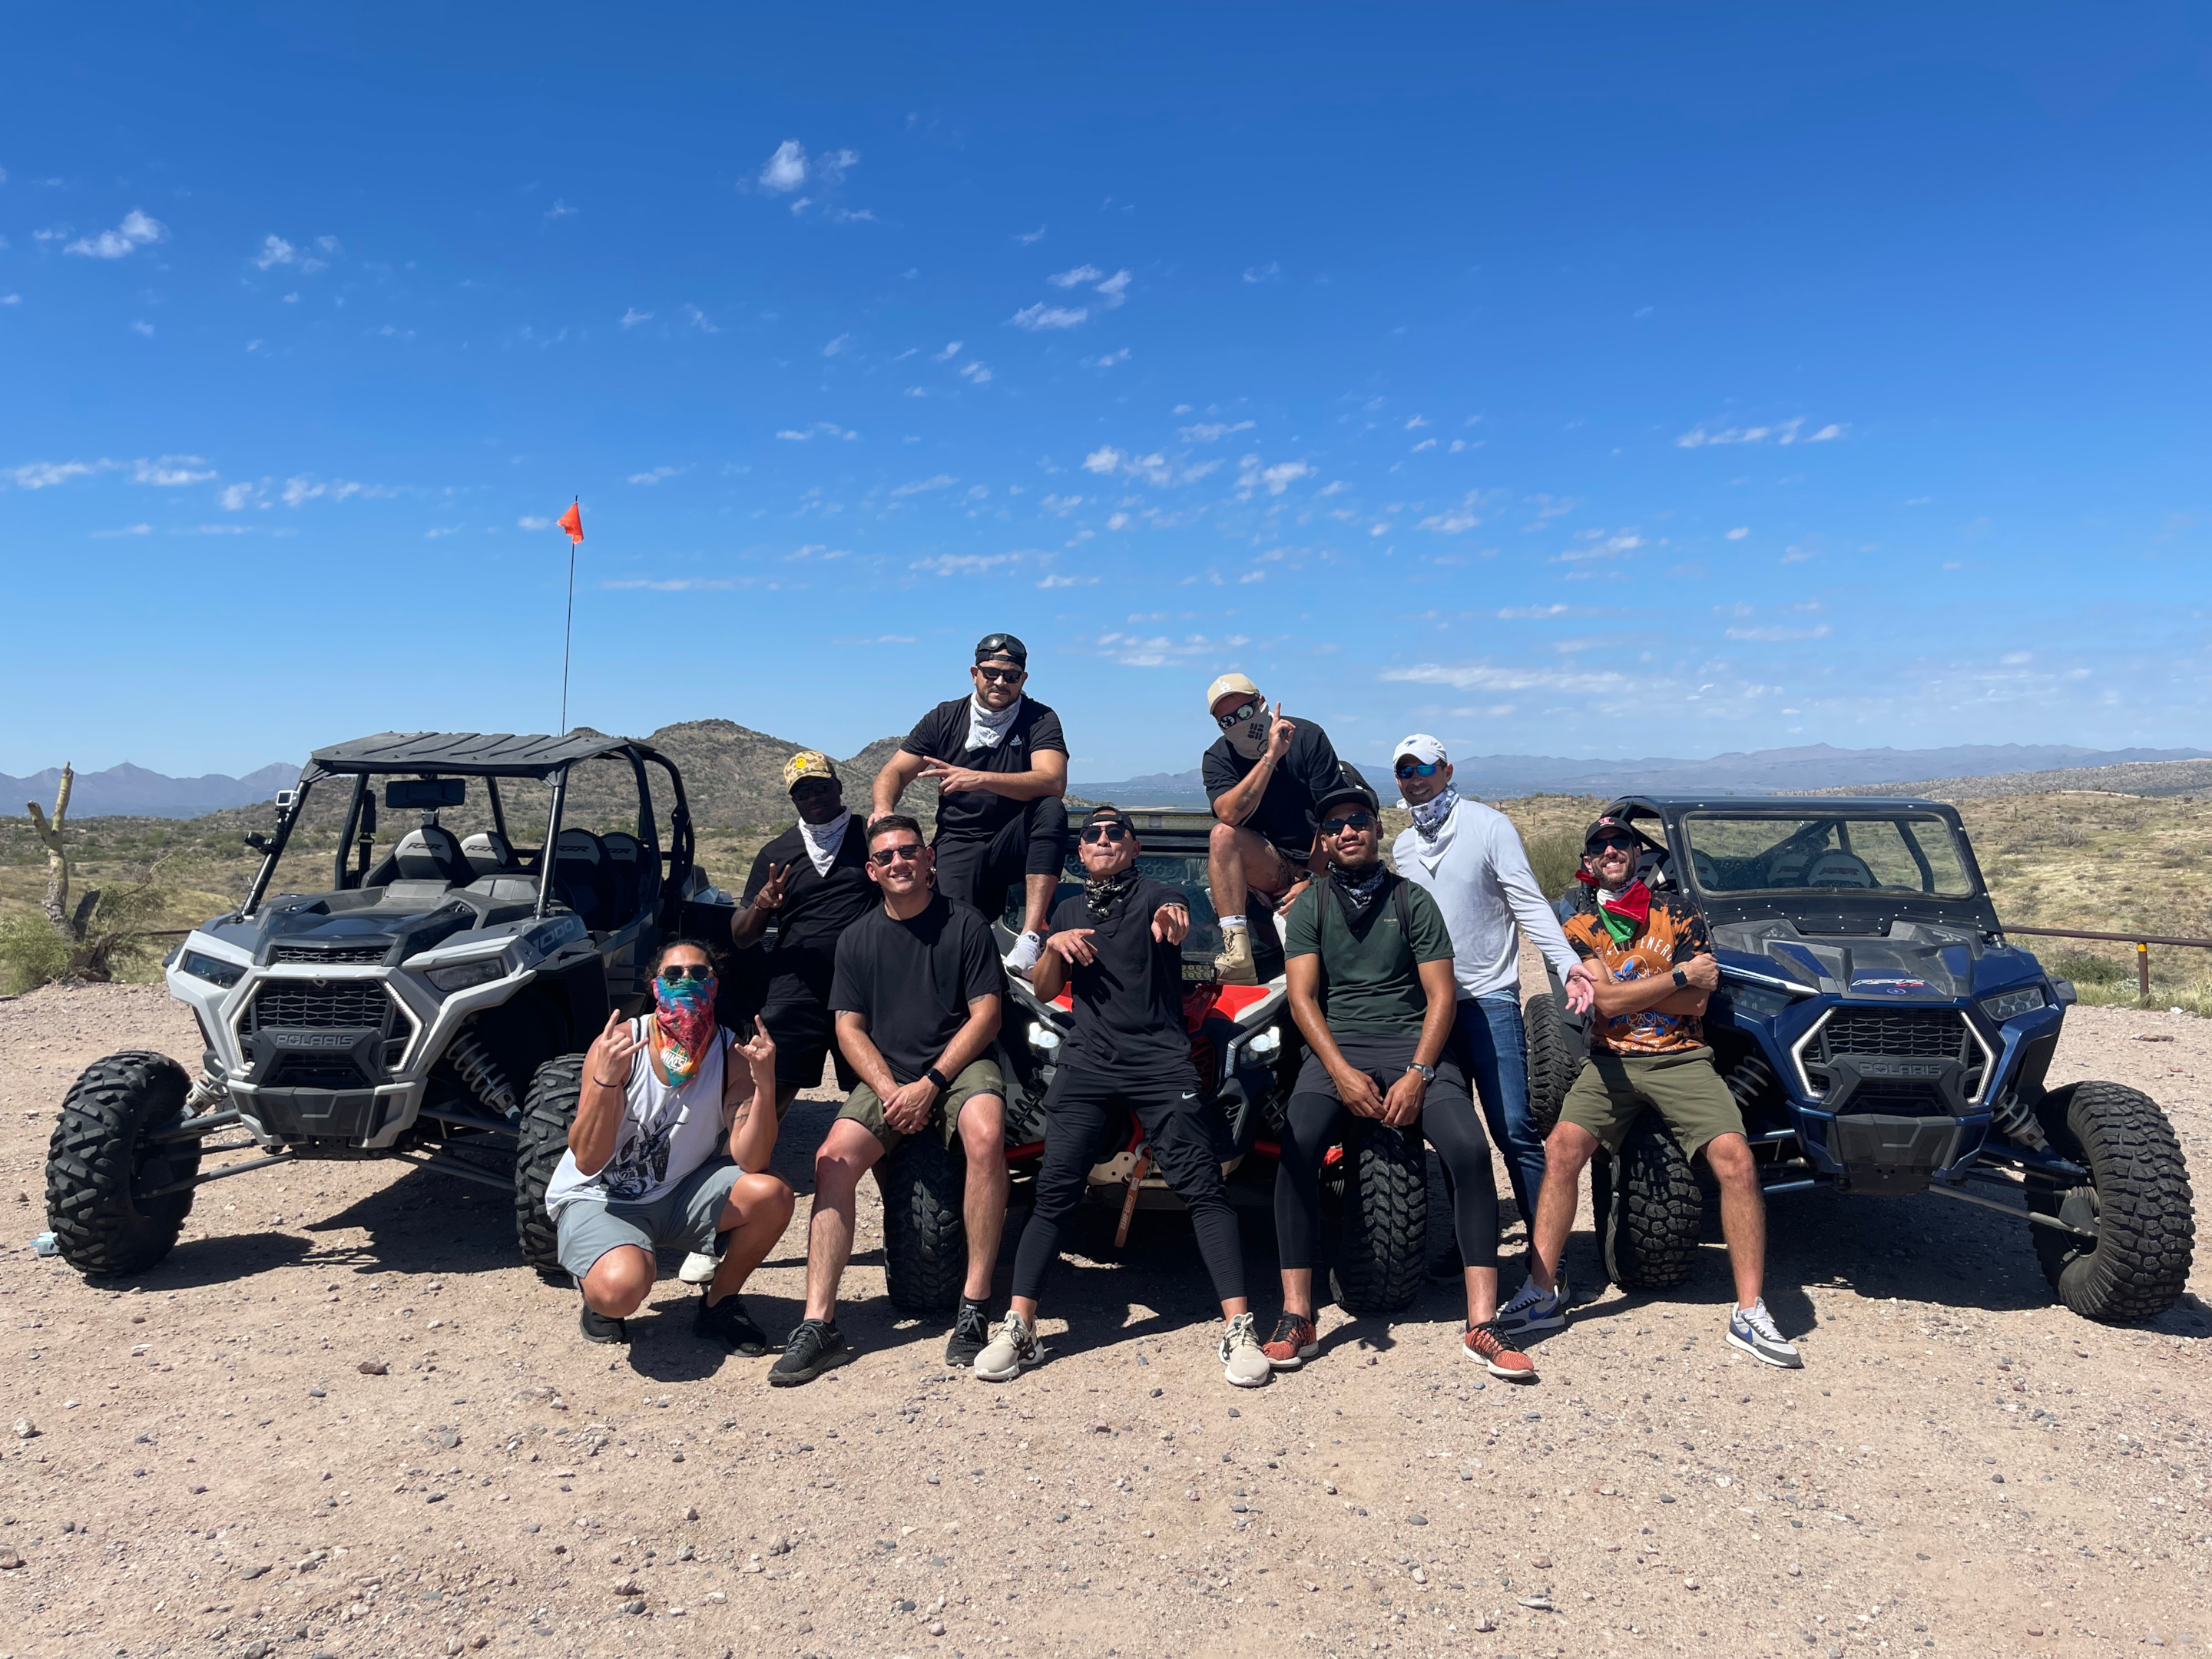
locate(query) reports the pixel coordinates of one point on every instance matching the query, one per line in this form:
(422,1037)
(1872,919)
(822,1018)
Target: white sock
(1230,924)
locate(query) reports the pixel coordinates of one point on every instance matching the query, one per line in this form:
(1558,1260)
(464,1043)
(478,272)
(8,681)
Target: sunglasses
(814,786)
(1616,845)
(884,857)
(1419,768)
(676,973)
(998,675)
(1238,716)
(1335,827)
(1098,832)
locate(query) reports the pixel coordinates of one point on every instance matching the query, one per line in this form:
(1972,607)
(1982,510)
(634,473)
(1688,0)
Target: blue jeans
(1494,1051)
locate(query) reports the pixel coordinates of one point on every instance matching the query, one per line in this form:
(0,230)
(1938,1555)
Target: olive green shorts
(979,1077)
(1684,1089)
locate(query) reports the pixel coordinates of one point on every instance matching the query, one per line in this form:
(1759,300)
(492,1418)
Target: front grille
(331,953)
(358,1005)
(1896,1034)
(315,1072)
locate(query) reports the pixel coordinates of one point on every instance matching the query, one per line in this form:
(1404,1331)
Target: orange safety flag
(573,522)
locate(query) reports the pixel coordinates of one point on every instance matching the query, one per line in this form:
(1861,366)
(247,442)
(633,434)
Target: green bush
(2085,970)
(32,953)
(1555,856)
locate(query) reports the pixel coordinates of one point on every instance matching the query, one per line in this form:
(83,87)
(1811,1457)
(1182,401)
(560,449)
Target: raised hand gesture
(759,1049)
(609,1058)
(1170,924)
(770,897)
(1279,735)
(952,780)
(1072,946)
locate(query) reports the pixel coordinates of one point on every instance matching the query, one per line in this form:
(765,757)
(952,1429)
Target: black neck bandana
(1356,890)
(1101,898)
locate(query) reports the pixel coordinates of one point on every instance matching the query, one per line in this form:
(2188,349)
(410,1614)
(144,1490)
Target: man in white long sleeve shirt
(1470,858)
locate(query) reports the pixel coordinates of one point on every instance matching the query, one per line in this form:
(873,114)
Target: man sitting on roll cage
(999,763)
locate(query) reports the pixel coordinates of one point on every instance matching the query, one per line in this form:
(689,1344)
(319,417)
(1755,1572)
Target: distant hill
(1806,769)
(2173,777)
(132,791)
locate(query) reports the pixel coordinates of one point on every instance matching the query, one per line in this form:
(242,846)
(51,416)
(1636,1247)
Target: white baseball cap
(1428,751)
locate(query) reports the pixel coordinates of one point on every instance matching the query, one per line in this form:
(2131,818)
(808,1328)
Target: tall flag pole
(573,522)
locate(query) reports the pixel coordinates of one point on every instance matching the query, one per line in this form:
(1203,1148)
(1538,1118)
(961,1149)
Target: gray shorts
(682,1218)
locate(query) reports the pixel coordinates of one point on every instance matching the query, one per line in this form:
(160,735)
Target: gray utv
(431,1007)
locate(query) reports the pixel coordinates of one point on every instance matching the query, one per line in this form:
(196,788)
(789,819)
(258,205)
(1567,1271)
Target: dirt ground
(204,1467)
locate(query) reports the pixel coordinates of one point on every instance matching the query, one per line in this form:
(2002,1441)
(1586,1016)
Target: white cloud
(785,171)
(42,475)
(1106,361)
(144,328)
(1061,504)
(951,350)
(837,345)
(632,317)
(678,584)
(299,489)
(529,522)
(1114,289)
(560,209)
(135,231)
(235,496)
(655,476)
(1455,522)
(1080,274)
(1069,581)
(1739,532)
(1043,316)
(1102,460)
(966,564)
(1417,423)
(1827,433)
(942,481)
(1270,272)
(1534,612)
(1779,634)
(275,251)
(819,429)
(697,319)
(10,298)
(974,371)
(1024,239)
(1425,443)
(1157,651)
(171,471)
(1277,478)
(1493,677)
(1118,521)
(127,530)
(436,530)
(1781,432)
(1207,432)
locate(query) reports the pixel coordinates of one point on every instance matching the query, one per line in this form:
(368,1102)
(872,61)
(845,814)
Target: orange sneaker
(1496,1351)
(1295,1341)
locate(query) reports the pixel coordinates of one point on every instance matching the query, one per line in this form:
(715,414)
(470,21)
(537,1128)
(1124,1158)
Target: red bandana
(1634,904)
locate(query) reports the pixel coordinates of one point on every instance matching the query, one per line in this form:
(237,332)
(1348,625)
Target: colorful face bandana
(684,1014)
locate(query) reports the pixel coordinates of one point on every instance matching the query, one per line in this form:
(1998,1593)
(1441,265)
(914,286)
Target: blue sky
(1590,382)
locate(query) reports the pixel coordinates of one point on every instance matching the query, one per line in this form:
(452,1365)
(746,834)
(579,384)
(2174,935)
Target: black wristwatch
(1681,980)
(938,1078)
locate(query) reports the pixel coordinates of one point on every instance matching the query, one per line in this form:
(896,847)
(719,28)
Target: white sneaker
(1244,1362)
(1753,1330)
(1012,1348)
(1535,1310)
(698,1268)
(1023,957)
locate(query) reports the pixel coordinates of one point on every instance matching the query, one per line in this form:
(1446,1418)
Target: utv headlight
(1043,1038)
(1761,1000)
(214,970)
(2012,1004)
(462,975)
(1266,1045)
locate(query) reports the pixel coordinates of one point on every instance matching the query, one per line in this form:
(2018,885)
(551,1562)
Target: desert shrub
(32,953)
(1555,855)
(2085,970)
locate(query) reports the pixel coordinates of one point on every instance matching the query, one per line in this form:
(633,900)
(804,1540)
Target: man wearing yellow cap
(1262,776)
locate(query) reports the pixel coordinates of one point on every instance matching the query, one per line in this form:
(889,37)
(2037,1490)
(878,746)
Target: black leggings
(981,867)
(1087,1119)
(1317,1118)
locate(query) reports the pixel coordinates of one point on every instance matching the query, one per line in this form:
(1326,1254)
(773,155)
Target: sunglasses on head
(1093,834)
(1411,768)
(675,973)
(1238,715)
(1335,827)
(884,857)
(997,675)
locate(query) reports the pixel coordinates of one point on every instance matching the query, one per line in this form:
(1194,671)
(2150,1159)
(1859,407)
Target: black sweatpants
(979,868)
(1448,1121)
(1087,1122)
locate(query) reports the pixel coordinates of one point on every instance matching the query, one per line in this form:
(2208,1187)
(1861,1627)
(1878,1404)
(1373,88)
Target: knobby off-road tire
(102,1153)
(540,1138)
(1555,1056)
(1648,1228)
(2138,1193)
(1381,1259)
(925,1241)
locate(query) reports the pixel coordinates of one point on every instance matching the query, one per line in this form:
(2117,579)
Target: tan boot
(1234,965)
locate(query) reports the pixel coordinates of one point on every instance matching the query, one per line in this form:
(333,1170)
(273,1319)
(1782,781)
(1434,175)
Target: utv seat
(1838,869)
(583,878)
(626,862)
(490,854)
(431,853)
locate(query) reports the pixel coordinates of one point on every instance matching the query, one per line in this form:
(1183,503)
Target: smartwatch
(1681,980)
(938,1078)
(1428,1072)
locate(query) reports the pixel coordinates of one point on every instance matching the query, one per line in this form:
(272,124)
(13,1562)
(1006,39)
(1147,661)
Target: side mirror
(285,798)
(2063,994)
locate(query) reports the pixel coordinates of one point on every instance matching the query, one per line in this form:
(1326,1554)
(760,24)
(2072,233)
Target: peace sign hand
(770,897)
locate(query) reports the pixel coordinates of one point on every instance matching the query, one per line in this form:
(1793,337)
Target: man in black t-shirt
(1262,777)
(1119,945)
(812,882)
(1000,766)
(916,994)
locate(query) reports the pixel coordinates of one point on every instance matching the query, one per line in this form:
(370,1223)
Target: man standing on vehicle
(916,995)
(999,763)
(1369,967)
(1654,971)
(662,1096)
(1262,776)
(812,882)
(1118,944)
(1470,859)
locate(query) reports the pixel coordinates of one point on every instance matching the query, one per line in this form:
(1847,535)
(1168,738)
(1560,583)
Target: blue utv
(1882,1036)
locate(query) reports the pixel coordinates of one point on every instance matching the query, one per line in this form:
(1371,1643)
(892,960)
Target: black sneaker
(728,1323)
(971,1334)
(599,1327)
(816,1345)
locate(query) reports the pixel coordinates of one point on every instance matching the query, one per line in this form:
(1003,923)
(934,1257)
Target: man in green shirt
(1369,967)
